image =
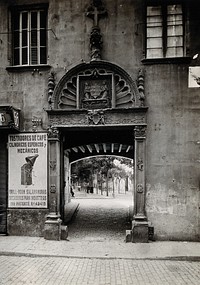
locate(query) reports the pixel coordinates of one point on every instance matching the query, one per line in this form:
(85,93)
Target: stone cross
(96,11)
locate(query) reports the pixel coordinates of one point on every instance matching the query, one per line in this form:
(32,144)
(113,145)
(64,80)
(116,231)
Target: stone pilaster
(52,229)
(140,224)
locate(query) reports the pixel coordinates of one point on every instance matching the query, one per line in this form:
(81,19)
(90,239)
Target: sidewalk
(38,246)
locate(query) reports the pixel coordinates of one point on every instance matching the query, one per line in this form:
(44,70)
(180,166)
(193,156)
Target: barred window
(164,31)
(30,37)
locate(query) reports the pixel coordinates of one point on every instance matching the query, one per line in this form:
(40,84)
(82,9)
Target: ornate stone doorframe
(134,118)
(52,229)
(98,94)
(139,232)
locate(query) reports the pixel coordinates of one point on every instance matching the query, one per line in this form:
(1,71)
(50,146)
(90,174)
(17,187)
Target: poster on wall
(27,169)
(194,77)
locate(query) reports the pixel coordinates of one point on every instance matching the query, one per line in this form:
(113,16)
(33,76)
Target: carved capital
(140,132)
(53,133)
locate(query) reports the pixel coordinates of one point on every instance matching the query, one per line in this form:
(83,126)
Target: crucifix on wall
(96,11)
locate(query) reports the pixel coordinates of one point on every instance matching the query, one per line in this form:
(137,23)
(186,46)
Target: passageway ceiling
(80,143)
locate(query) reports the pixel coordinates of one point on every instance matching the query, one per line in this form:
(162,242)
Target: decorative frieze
(96,117)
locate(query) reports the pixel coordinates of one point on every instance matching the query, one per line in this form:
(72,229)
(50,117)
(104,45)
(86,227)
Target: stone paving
(101,219)
(81,271)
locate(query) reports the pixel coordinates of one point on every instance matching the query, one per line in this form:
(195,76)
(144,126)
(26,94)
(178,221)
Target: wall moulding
(108,117)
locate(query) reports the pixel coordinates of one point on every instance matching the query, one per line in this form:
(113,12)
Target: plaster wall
(173,157)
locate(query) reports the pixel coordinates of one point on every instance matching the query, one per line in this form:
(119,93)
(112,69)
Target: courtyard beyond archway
(100,218)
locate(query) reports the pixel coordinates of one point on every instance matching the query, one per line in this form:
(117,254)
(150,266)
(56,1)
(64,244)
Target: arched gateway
(96,108)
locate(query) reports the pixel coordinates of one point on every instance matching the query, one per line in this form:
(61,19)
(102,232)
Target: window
(29,37)
(164,31)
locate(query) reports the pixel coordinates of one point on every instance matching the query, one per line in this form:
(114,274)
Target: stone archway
(97,95)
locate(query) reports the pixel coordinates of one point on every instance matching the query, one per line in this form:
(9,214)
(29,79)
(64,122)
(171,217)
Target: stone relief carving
(140,164)
(141,87)
(140,131)
(53,188)
(67,120)
(95,90)
(51,86)
(140,188)
(95,11)
(124,95)
(96,43)
(134,119)
(82,119)
(96,117)
(53,132)
(52,164)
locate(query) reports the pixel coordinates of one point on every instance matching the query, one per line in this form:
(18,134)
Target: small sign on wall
(194,77)
(27,182)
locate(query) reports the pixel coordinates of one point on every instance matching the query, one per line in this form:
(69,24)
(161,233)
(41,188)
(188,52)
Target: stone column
(52,230)
(140,224)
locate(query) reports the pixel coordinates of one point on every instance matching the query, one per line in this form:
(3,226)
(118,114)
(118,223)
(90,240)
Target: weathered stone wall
(26,222)
(173,139)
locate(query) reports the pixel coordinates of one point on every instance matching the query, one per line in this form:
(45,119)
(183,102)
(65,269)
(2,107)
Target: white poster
(27,169)
(194,77)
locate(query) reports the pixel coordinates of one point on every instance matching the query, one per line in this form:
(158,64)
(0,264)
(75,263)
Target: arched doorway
(97,142)
(103,196)
(96,107)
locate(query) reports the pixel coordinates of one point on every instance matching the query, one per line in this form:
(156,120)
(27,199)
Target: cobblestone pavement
(101,219)
(15,270)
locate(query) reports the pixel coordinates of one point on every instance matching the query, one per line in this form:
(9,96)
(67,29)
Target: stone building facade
(84,77)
